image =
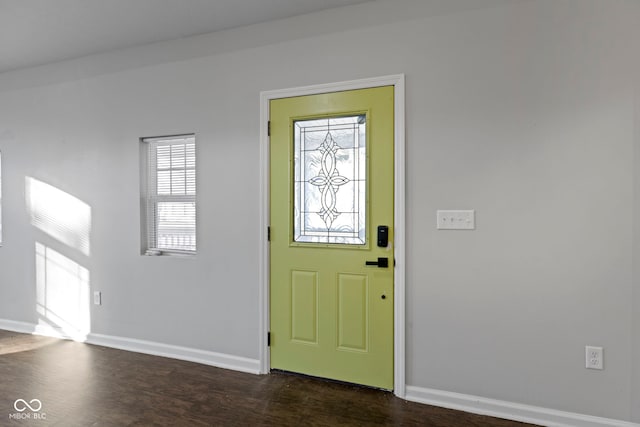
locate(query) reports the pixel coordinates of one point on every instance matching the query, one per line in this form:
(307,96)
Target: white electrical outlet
(97,298)
(594,357)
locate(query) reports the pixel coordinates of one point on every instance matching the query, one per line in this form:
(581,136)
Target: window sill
(165,253)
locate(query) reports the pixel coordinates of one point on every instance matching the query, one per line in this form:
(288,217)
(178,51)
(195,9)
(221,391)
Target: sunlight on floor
(19,343)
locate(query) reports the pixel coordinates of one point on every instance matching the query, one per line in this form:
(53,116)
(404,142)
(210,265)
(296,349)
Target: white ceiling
(37,32)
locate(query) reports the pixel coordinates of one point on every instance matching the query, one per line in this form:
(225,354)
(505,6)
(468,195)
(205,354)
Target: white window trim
(149,201)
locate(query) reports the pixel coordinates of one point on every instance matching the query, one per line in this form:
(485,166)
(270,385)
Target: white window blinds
(170,194)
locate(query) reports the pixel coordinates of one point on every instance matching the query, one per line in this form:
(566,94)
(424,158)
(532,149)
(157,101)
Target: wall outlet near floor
(97,298)
(594,357)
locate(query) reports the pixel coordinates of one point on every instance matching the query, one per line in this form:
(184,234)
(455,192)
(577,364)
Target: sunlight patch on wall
(59,214)
(62,294)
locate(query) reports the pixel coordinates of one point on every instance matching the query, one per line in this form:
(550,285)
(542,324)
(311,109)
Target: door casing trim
(398,82)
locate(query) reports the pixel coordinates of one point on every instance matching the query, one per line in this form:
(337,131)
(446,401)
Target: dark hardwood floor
(85,385)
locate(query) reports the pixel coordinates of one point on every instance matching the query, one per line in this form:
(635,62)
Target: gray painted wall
(526,111)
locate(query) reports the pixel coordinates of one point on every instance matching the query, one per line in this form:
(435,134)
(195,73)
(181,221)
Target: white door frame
(399,213)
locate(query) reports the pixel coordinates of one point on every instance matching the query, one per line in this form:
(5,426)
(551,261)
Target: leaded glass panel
(330,180)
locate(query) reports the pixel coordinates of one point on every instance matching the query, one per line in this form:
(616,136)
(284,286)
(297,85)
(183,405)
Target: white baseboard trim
(211,358)
(458,401)
(509,410)
(43,328)
(22,327)
(47,330)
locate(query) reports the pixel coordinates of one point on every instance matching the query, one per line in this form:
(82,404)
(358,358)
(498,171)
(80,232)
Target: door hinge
(269,128)
(269,234)
(268,339)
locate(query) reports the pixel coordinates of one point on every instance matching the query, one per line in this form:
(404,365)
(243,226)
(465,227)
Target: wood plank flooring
(85,385)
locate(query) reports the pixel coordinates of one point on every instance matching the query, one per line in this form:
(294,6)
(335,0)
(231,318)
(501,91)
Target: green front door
(331,190)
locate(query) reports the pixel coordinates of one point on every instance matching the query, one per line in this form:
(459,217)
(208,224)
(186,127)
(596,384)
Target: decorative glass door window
(330,170)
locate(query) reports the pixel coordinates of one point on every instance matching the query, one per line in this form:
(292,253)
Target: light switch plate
(456,219)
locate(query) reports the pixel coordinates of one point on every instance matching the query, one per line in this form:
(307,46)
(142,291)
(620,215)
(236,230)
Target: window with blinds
(169,195)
